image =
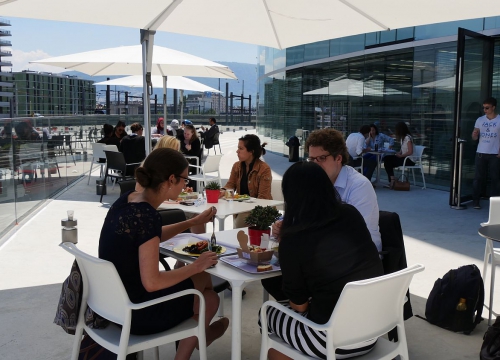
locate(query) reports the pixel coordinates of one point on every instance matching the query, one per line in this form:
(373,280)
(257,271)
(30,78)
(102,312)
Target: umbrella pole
(181,101)
(147,38)
(165,101)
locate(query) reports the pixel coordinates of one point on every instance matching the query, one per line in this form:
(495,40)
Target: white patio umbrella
(127,60)
(174,82)
(275,23)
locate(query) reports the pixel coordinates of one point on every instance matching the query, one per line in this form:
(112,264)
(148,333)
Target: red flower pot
(256,234)
(212,196)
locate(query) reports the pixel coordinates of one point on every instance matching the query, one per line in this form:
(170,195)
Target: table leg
(221,222)
(379,159)
(237,289)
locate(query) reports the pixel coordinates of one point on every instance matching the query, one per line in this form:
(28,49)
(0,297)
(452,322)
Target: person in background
(168,142)
(191,144)
(133,147)
(119,131)
(108,138)
(250,175)
(208,134)
(174,127)
(25,131)
(403,135)
(133,225)
(159,130)
(335,248)
(486,130)
(378,138)
(326,147)
(356,146)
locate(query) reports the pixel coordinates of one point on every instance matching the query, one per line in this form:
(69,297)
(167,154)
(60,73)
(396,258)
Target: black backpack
(441,308)
(490,350)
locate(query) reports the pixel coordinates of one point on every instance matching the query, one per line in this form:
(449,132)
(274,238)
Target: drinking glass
(71,213)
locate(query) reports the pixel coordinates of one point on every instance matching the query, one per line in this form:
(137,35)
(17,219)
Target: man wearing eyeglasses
(327,148)
(487,130)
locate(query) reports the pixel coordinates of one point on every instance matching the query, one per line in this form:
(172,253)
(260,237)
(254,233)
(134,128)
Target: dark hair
(120,124)
(490,101)
(158,166)
(135,127)
(195,134)
(305,211)
(108,129)
(213,119)
(253,145)
(402,130)
(330,140)
(375,127)
(364,129)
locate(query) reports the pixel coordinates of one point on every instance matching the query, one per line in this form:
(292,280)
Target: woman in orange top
(250,175)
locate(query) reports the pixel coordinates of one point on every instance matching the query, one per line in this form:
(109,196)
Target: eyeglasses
(320,159)
(186,180)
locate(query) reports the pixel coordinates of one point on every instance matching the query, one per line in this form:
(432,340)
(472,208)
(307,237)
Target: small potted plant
(259,222)
(213,190)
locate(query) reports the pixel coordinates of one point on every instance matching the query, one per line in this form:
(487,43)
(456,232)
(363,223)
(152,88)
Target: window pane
(350,44)
(446,29)
(294,55)
(317,50)
(387,36)
(405,33)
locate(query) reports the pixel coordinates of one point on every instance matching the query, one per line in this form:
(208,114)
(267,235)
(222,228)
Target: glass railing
(41,156)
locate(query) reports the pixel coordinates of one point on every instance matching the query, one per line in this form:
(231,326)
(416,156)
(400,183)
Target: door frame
(487,79)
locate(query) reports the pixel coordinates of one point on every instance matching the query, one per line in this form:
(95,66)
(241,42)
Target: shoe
(477,206)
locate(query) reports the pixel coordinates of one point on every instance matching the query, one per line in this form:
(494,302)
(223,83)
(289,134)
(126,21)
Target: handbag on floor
(402,183)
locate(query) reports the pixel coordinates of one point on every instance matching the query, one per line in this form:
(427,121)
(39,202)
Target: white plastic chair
(276,192)
(211,165)
(366,309)
(104,292)
(360,167)
(418,150)
(490,252)
(97,153)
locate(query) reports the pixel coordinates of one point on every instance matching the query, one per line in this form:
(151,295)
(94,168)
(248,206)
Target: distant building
(5,71)
(51,94)
(204,103)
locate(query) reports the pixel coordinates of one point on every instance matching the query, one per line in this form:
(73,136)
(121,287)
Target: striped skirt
(309,341)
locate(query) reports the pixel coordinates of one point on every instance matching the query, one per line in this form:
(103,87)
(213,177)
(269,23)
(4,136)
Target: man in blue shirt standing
(487,130)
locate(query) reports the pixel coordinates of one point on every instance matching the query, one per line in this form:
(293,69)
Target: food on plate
(241,197)
(255,248)
(262,268)
(201,247)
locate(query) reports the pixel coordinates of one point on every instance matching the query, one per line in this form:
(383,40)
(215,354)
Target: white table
(380,154)
(224,207)
(238,280)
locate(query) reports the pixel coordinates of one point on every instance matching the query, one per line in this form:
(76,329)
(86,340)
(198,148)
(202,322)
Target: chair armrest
(292,314)
(196,166)
(133,164)
(169,297)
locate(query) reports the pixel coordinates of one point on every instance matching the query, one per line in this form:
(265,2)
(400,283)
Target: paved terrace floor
(32,268)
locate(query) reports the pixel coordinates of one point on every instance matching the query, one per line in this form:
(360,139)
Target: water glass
(71,213)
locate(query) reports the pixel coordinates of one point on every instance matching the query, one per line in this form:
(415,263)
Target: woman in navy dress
(130,239)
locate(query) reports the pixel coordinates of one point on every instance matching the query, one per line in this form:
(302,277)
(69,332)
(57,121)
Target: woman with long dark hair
(250,175)
(324,245)
(130,239)
(403,135)
(191,144)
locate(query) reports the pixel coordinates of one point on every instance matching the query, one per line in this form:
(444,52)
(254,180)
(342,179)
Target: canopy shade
(275,23)
(173,82)
(127,60)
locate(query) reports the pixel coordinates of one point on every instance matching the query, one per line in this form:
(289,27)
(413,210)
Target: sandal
(391,184)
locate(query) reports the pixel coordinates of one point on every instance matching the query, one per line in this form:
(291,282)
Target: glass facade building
(383,78)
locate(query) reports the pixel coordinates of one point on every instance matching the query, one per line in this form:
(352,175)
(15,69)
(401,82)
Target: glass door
(474,72)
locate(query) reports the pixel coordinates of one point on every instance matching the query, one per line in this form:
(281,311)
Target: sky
(41,39)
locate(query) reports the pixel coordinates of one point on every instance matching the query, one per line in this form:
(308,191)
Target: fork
(213,240)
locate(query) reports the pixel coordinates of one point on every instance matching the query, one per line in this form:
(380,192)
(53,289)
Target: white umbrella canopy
(274,23)
(173,82)
(127,60)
